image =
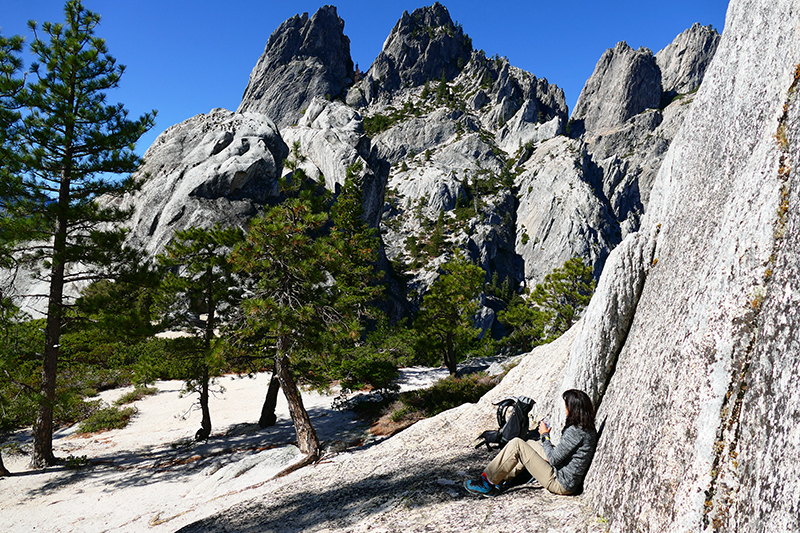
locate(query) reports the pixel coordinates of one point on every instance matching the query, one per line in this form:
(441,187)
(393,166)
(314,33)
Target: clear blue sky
(186,57)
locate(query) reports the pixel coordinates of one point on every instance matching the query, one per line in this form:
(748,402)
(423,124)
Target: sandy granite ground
(151,476)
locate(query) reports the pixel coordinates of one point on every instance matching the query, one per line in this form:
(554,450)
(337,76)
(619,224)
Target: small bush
(372,372)
(136,394)
(448,393)
(107,419)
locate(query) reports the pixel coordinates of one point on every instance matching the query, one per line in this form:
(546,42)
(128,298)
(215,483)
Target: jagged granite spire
(422,46)
(303,58)
(624,83)
(684,61)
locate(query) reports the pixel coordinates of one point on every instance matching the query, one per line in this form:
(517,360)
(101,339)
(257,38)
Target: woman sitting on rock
(560,469)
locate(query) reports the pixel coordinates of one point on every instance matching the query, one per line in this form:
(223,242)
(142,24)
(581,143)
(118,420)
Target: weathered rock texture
(768,443)
(683,62)
(219,167)
(624,83)
(303,58)
(443,142)
(561,213)
(700,411)
(423,46)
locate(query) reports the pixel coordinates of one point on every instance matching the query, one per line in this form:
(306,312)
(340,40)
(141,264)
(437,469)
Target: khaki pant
(519,455)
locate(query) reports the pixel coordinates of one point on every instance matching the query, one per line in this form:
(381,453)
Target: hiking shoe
(481,486)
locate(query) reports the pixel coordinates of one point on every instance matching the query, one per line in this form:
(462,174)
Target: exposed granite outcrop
(627,158)
(684,61)
(561,212)
(217,167)
(624,83)
(423,46)
(689,344)
(697,411)
(412,481)
(304,57)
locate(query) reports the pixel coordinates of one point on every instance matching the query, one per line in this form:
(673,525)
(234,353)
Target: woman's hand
(543,429)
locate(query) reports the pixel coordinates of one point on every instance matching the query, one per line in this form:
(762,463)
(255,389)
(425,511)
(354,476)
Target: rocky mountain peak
(304,57)
(423,46)
(624,83)
(684,61)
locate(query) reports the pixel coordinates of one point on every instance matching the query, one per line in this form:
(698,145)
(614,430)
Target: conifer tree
(70,141)
(201,280)
(10,85)
(552,307)
(291,302)
(566,292)
(446,316)
(310,284)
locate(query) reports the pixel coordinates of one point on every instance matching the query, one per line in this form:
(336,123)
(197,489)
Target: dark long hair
(581,411)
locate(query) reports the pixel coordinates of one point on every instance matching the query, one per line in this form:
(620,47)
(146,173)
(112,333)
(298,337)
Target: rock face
(624,83)
(561,213)
(683,62)
(219,167)
(443,142)
(330,135)
(701,404)
(303,58)
(423,46)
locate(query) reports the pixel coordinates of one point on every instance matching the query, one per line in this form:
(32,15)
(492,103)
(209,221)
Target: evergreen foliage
(552,307)
(445,319)
(566,292)
(311,283)
(201,281)
(69,141)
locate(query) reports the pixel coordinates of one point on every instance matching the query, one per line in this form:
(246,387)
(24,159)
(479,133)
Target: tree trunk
(205,426)
(43,426)
(450,356)
(3,471)
(268,417)
(307,439)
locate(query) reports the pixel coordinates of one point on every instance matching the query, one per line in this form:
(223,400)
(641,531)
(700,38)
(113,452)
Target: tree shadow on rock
(344,502)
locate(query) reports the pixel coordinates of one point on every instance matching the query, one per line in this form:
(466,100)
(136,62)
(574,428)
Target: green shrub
(445,394)
(369,371)
(107,419)
(136,394)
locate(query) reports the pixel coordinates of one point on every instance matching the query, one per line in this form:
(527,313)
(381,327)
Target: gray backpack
(512,420)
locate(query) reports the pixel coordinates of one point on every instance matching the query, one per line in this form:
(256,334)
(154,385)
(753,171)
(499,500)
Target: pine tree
(310,284)
(552,308)
(446,316)
(566,292)
(201,280)
(10,85)
(290,303)
(71,140)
